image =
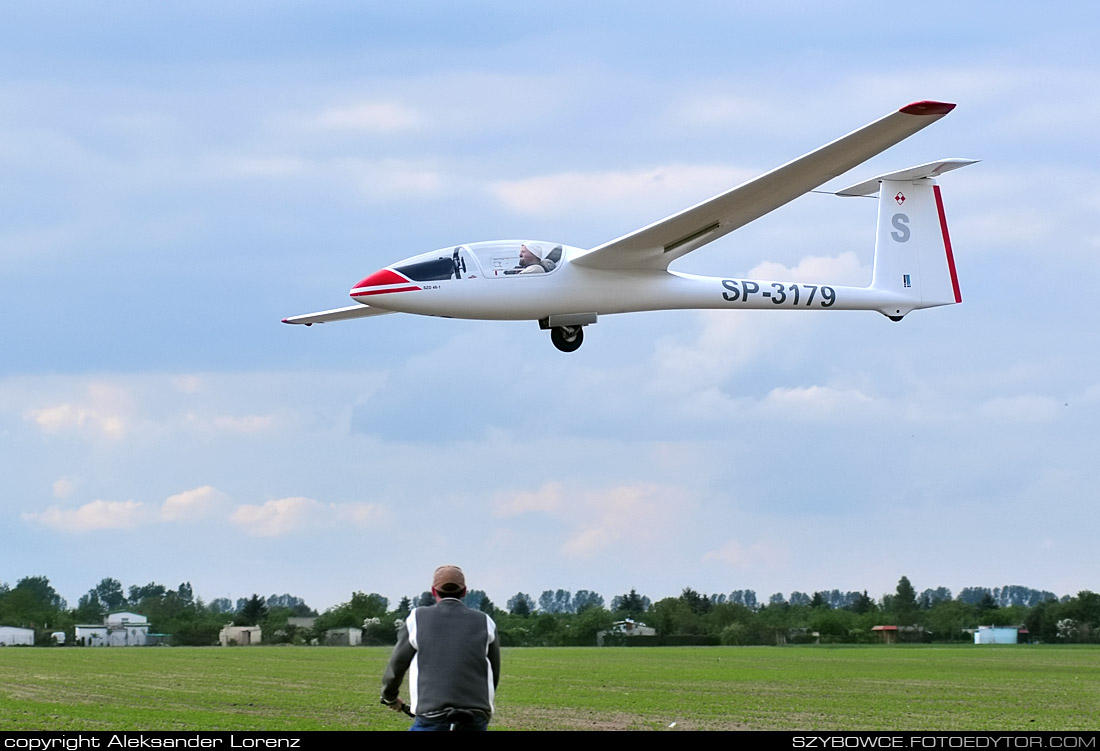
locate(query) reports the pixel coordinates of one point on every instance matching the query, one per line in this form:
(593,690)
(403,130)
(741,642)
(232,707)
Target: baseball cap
(448,580)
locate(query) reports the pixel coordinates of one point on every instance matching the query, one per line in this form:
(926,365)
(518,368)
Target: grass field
(751,688)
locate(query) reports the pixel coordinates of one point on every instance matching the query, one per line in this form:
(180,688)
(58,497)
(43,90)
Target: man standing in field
(452,655)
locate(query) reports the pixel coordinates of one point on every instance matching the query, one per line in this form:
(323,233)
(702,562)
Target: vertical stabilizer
(914,260)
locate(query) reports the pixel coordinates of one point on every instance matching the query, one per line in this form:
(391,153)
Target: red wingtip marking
(947,245)
(927,108)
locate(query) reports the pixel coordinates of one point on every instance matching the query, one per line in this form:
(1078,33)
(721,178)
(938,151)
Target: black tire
(567,338)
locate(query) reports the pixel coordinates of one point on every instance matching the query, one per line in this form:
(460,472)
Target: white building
(13,636)
(88,635)
(996,635)
(240,636)
(127,630)
(120,630)
(344,637)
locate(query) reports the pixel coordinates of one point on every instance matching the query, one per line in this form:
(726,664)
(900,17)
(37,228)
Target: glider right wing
(656,246)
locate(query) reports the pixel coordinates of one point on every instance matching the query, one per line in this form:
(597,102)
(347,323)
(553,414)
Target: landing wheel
(567,338)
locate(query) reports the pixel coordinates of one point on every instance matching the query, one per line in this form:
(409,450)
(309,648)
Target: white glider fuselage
(566,288)
(572,288)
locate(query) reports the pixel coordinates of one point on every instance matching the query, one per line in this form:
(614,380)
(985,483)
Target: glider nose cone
(376,283)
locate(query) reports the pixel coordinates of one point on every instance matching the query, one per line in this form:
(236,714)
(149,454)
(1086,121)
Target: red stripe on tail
(947,245)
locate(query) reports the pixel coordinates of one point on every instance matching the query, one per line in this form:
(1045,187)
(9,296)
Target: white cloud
(545,499)
(817,401)
(652,191)
(712,110)
(374,117)
(63,487)
(105,410)
(192,504)
(727,342)
(275,518)
(759,555)
(628,513)
(1022,408)
(287,515)
(92,516)
(845,268)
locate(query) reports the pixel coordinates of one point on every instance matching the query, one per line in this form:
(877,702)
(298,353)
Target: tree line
(565,618)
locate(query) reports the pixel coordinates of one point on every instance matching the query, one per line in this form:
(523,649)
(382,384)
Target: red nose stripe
(385,276)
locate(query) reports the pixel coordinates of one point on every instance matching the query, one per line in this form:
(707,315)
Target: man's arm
(400,660)
(494,655)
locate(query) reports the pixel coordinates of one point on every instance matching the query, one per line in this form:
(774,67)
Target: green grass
(758,688)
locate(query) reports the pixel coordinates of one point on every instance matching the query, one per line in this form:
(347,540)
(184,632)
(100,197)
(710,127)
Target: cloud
(374,117)
(845,268)
(63,487)
(817,401)
(192,504)
(105,410)
(629,513)
(1023,408)
(287,515)
(759,555)
(600,193)
(275,518)
(545,499)
(92,516)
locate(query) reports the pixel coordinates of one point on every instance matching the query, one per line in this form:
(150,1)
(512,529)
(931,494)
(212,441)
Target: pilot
(530,261)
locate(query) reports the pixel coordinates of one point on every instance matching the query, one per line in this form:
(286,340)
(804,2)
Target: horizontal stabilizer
(339,314)
(932,169)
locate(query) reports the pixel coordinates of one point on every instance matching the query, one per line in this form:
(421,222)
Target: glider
(566,288)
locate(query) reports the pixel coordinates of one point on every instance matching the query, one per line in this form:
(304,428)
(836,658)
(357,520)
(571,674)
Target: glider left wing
(338,314)
(656,246)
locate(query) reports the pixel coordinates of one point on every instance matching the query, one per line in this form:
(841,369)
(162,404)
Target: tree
(799,598)
(862,604)
(905,602)
(986,605)
(253,612)
(746,597)
(521,605)
(585,599)
(699,604)
(152,589)
(220,605)
(110,594)
(631,604)
(556,602)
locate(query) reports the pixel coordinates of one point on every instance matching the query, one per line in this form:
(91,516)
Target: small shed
(996,635)
(888,634)
(344,637)
(14,636)
(240,636)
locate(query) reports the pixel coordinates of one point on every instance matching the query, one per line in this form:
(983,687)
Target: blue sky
(178,177)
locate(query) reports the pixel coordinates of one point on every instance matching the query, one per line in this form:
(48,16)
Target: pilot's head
(448,581)
(529,255)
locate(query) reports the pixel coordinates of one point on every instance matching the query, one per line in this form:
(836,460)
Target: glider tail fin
(913,255)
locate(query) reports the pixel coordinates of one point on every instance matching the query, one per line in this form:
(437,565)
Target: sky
(176,178)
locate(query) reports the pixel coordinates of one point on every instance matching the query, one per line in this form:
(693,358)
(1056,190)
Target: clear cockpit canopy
(494,259)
